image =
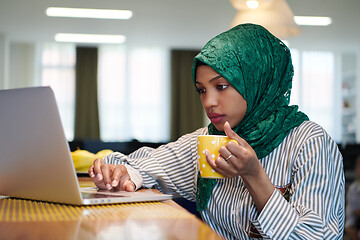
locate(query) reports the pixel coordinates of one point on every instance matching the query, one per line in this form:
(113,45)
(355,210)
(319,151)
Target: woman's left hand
(235,159)
(244,163)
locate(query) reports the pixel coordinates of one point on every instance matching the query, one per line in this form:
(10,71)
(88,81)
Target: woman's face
(219,98)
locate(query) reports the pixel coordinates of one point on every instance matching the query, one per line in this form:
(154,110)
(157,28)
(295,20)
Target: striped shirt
(307,165)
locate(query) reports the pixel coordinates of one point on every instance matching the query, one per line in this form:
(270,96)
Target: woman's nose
(210,99)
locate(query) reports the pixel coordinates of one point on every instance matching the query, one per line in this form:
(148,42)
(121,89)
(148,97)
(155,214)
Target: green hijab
(259,67)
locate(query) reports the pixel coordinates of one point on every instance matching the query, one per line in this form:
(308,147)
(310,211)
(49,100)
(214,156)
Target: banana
(101,154)
(83,159)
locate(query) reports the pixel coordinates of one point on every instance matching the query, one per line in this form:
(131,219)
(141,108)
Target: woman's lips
(215,117)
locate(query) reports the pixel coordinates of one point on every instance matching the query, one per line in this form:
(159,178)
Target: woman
(284,180)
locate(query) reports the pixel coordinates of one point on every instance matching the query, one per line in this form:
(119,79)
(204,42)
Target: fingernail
(99,176)
(114,183)
(92,174)
(108,186)
(130,186)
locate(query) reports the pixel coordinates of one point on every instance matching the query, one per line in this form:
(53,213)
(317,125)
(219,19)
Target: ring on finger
(228,157)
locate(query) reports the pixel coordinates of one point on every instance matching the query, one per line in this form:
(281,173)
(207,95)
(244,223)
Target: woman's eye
(200,90)
(221,86)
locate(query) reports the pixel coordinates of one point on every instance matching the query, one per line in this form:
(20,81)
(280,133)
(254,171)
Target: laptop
(35,159)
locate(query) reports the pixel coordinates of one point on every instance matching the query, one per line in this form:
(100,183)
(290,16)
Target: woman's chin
(219,127)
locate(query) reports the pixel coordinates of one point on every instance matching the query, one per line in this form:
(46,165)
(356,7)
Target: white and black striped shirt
(307,163)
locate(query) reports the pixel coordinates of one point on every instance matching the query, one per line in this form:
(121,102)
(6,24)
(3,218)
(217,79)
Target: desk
(23,219)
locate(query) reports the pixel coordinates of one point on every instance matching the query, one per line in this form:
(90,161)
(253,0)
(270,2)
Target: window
(132,90)
(58,72)
(314,88)
(133,94)
(112,93)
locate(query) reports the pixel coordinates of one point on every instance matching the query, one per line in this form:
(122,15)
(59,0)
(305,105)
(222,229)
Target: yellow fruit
(83,159)
(101,154)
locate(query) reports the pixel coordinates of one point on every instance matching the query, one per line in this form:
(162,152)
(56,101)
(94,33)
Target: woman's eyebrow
(213,79)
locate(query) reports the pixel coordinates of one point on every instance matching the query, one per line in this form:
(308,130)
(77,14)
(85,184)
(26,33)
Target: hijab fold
(258,65)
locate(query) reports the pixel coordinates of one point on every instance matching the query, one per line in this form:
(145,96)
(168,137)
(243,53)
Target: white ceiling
(171,23)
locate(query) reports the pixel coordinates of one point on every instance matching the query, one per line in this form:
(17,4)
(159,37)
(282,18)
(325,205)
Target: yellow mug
(212,143)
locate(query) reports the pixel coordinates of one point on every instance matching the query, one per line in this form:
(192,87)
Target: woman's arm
(171,168)
(315,209)
(316,206)
(241,160)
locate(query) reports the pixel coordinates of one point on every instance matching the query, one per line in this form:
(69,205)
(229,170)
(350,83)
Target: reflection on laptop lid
(35,160)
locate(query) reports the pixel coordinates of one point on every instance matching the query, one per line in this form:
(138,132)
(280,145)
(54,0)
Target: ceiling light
(89,38)
(253,4)
(312,21)
(275,15)
(88,13)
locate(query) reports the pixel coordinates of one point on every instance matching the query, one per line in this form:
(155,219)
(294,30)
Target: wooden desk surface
(23,219)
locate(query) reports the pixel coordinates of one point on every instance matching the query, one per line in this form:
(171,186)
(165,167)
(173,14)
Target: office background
(326,61)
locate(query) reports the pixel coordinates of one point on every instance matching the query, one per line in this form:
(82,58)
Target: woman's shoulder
(200,131)
(309,130)
(308,133)
(194,134)
(310,138)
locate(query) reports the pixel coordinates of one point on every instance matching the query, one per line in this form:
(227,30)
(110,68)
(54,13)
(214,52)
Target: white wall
(3,62)
(22,65)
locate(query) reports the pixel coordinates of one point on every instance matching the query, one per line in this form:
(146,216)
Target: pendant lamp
(275,15)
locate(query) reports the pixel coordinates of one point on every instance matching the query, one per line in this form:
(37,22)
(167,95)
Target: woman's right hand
(110,176)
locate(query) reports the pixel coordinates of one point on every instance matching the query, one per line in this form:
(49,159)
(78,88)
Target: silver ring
(228,157)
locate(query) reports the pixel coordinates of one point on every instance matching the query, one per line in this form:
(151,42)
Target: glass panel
(295,91)
(133,94)
(58,72)
(317,84)
(112,93)
(148,95)
(348,86)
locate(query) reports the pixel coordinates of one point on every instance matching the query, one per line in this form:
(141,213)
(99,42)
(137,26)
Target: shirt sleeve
(119,158)
(171,168)
(316,206)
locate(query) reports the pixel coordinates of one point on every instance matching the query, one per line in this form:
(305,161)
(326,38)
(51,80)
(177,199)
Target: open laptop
(35,160)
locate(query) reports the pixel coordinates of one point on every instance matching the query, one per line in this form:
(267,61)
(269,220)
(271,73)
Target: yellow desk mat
(18,210)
